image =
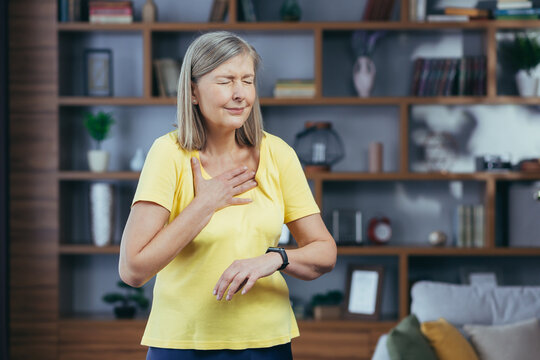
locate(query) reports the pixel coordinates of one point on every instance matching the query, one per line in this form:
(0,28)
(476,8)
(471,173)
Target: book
(167,73)
(478,228)
(514,5)
(445,18)
(516,17)
(472,12)
(111,19)
(532,11)
(219,10)
(248,10)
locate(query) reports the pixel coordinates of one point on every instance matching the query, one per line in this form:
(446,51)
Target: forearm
(312,260)
(168,242)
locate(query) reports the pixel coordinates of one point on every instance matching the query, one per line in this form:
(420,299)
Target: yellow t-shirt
(185,314)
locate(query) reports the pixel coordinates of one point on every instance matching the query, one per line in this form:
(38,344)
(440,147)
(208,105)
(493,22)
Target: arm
(317,251)
(148,245)
(315,256)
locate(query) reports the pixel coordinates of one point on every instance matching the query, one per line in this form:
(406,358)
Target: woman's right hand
(220,191)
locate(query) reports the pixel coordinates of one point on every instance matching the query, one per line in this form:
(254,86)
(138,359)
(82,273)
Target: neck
(220,143)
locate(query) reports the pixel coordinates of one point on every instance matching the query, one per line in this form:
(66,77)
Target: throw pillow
(447,341)
(502,342)
(406,342)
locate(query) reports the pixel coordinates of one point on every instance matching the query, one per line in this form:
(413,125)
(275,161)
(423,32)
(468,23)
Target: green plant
(521,53)
(333,297)
(98,125)
(131,296)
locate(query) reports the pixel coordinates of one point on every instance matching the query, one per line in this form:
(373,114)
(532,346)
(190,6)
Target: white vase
(101,213)
(364,76)
(98,160)
(137,161)
(527,84)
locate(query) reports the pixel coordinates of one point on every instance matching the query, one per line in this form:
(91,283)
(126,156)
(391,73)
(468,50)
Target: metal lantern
(318,146)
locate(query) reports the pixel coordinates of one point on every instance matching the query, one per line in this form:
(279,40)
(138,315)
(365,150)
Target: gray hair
(206,53)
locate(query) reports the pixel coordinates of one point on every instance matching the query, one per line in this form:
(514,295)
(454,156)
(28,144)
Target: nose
(238,91)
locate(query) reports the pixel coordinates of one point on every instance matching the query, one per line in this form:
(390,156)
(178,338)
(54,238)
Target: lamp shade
(318,146)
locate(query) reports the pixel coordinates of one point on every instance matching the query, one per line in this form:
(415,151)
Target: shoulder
(169,144)
(277,145)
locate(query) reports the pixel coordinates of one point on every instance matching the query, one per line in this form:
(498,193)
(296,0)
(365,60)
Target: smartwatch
(280,251)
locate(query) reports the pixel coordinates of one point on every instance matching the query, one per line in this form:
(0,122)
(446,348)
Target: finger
(242,178)
(249,284)
(196,169)
(240,201)
(236,284)
(228,175)
(248,185)
(224,282)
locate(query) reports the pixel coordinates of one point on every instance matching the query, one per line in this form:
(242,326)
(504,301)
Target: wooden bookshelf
(41,330)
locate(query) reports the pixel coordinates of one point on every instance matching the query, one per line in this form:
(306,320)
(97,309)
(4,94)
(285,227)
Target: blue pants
(278,352)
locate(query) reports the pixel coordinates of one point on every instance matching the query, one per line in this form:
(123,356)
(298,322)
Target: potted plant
(98,126)
(327,306)
(129,300)
(522,53)
(363,44)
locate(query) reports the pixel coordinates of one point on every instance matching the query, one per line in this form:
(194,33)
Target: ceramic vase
(98,160)
(364,76)
(149,12)
(101,213)
(137,161)
(527,84)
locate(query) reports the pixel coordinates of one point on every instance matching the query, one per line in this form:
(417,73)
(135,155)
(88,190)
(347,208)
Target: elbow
(129,275)
(330,260)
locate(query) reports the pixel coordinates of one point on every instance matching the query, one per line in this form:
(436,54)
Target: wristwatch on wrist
(280,251)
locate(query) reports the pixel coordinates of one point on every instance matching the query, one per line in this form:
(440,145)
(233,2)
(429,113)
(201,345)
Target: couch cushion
(503,342)
(513,304)
(406,342)
(458,304)
(447,341)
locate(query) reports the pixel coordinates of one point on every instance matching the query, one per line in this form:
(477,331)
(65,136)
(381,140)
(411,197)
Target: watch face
(383,232)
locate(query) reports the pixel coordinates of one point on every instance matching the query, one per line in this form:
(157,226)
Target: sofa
(464,306)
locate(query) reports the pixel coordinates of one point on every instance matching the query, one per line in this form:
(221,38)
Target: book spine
(479,226)
(111,19)
(535,11)
(421,10)
(468,226)
(412,10)
(63,8)
(424,77)
(418,64)
(103,11)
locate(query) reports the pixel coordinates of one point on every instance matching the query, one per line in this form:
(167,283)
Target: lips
(235,111)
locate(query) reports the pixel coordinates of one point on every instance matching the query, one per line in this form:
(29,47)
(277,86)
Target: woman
(208,212)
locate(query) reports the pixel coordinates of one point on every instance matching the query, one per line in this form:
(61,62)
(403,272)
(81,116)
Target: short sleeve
(297,196)
(158,179)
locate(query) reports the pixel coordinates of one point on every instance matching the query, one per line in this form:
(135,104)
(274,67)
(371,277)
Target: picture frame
(167,74)
(363,292)
(98,72)
(480,275)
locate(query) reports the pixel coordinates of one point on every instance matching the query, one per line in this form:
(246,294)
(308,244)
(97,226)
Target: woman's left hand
(245,273)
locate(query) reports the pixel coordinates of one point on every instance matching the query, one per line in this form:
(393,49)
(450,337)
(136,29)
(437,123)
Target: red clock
(379,230)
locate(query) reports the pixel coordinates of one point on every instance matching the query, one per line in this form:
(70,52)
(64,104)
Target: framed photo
(167,74)
(98,79)
(480,275)
(364,287)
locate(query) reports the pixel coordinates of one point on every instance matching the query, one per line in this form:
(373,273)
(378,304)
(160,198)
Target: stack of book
(449,76)
(294,88)
(459,14)
(377,10)
(469,226)
(110,12)
(515,10)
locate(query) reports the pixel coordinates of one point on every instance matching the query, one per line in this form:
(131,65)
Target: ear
(194,94)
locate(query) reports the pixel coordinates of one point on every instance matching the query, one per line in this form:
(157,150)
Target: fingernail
(228,297)
(214,292)
(243,292)
(244,167)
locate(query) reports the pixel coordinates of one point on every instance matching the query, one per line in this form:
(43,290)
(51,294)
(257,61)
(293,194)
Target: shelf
(351,250)
(88,175)
(88,249)
(319,101)
(479,176)
(435,251)
(285,26)
(333,176)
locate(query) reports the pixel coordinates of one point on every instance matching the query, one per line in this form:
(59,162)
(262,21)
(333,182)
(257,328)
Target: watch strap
(281,251)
